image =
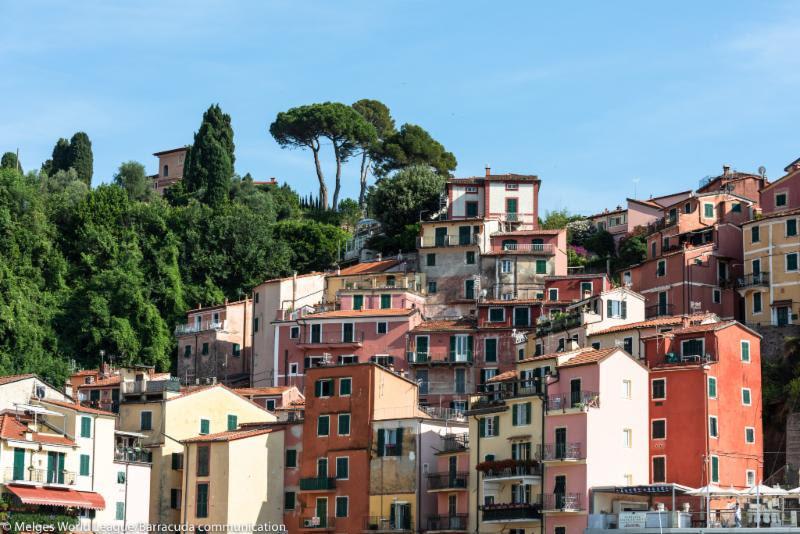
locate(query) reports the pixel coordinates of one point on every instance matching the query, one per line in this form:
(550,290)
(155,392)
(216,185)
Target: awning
(58,497)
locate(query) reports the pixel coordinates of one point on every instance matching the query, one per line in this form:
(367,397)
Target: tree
(208,168)
(132,177)
(305,126)
(398,200)
(314,246)
(601,243)
(632,250)
(9,161)
(412,145)
(80,157)
(59,161)
(558,219)
(349,214)
(378,115)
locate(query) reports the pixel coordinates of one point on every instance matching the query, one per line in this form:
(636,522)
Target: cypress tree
(209,163)
(80,157)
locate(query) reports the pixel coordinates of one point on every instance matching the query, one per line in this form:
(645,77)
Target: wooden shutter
(609,309)
(496,425)
(469,347)
(452,346)
(624,306)
(527,413)
(381,440)
(399,446)
(482,427)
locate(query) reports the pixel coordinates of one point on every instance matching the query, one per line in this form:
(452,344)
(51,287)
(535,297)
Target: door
(560,444)
(316,333)
(559,491)
(463,235)
(400,518)
(537,245)
(322,468)
(441,237)
(452,470)
(521,317)
(55,467)
(19,464)
(347,332)
(783,315)
(358,302)
(461,381)
(469,289)
(662,303)
(574,392)
(422,348)
(321,511)
(452,512)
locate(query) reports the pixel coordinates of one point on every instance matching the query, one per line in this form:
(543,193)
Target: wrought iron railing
(560,451)
(438,481)
(573,399)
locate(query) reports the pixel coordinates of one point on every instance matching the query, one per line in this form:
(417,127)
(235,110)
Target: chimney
(726,169)
(488,170)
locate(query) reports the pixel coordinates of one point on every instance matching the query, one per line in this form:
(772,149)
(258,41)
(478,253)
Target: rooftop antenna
(762,171)
(635,182)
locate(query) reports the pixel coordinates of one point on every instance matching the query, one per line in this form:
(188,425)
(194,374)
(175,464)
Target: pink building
(561,291)
(170,168)
(512,199)
(272,398)
(642,213)
(448,483)
(782,194)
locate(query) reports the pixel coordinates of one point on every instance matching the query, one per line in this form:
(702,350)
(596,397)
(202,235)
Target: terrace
(495,399)
(560,451)
(507,512)
(562,322)
(447,481)
(440,358)
(562,502)
(448,523)
(317,484)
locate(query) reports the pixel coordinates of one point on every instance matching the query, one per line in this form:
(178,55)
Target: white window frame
(761,302)
(549,294)
(713,210)
(267,404)
(497,308)
(349,423)
(702,340)
(660,262)
(748,475)
(336,466)
(514,314)
(336,506)
(328,417)
(749,395)
(652,458)
(716,296)
(345,323)
(786,262)
(716,426)
(490,430)
(742,343)
(627,438)
(378,330)
(711,469)
(627,388)
(785,198)
(753,429)
(591,287)
(652,382)
(342,379)
(665,428)
(709,380)
(294,330)
(294,368)
(505,267)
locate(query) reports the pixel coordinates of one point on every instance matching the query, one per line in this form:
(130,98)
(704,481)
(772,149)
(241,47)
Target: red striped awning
(58,497)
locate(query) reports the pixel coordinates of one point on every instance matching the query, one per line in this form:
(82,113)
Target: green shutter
(205,426)
(318,388)
(745,351)
(470,343)
(233,422)
(452,346)
(514,414)
(19,464)
(609,309)
(86,427)
(541,266)
(386,301)
(496,425)
(482,427)
(624,310)
(84,465)
(381,441)
(491,350)
(399,447)
(323,424)
(120,511)
(528,413)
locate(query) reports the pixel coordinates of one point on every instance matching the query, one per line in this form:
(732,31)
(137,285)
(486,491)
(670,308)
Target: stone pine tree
(208,169)
(9,161)
(413,145)
(80,157)
(378,115)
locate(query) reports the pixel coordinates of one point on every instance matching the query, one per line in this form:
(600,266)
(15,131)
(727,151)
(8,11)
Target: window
(187,351)
(146,421)
(166,170)
(791,228)
(713,428)
(749,435)
(497,315)
(341,506)
(343,468)
(627,345)
(552,294)
(586,287)
(736,207)
(522,317)
(745,350)
(323,425)
(659,469)
(344,424)
(658,429)
(490,349)
(521,414)
(505,266)
(430,259)
(255,324)
(120,477)
(693,347)
(661,268)
(780,199)
(716,296)
(237,349)
(177,460)
(708,210)
(382,327)
(256,298)
(270,405)
(489,427)
(204,352)
(791,262)
(617,309)
(205,426)
(175,499)
(472,209)
(386,302)
(659,389)
(203,460)
(390,442)
(512,187)
(294,368)
(469,257)
(201,503)
(345,386)
(653,249)
(84,468)
(291,457)
(120,515)
(715,469)
(233,422)
(627,438)
(712,387)
(86,427)
(627,387)
(348,332)
(755,234)
(750,477)
(746,397)
(469,289)
(323,387)
(595,345)
(358,302)
(541,266)
(289,500)
(431,287)
(757,307)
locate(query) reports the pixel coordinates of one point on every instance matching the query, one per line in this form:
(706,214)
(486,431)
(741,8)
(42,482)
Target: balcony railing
(675,358)
(753,280)
(40,476)
(337,338)
(549,326)
(133,455)
(565,502)
(388,524)
(439,481)
(204,326)
(447,241)
(573,400)
(314,522)
(518,469)
(455,442)
(151,386)
(511,511)
(448,522)
(507,390)
(317,484)
(545,248)
(560,451)
(427,358)
(659,310)
(512,217)
(440,412)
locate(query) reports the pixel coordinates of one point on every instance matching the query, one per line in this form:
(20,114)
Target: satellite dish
(762,171)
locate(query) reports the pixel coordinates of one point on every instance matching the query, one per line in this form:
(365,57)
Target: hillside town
(479,383)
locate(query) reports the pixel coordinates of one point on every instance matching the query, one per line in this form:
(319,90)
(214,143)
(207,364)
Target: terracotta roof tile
(530,232)
(391,312)
(15,378)
(276,390)
(661,321)
(368,267)
(696,329)
(11,428)
(501,302)
(503,377)
(552,355)
(588,357)
(78,407)
(110,381)
(231,435)
(447,325)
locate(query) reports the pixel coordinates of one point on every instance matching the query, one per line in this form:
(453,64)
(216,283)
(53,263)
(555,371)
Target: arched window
(166,170)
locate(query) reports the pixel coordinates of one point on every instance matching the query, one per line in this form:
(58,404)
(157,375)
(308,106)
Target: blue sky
(588,95)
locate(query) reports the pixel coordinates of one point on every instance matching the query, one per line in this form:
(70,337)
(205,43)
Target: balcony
(449,358)
(659,310)
(440,412)
(203,326)
(683,359)
(529,248)
(498,470)
(337,339)
(387,524)
(558,324)
(496,398)
(450,523)
(753,280)
(133,456)
(562,502)
(455,443)
(141,387)
(560,452)
(511,512)
(512,217)
(447,481)
(317,523)
(39,476)
(447,241)
(574,400)
(317,484)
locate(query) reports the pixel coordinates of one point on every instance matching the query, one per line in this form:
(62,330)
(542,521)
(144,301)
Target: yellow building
(234,477)
(167,418)
(771,283)
(373,278)
(505,428)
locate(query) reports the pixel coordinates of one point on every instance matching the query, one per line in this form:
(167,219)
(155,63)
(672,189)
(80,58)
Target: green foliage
(558,219)
(132,177)
(412,145)
(404,240)
(398,200)
(9,161)
(349,214)
(41,520)
(574,259)
(378,115)
(601,243)
(80,157)
(208,169)
(314,246)
(632,250)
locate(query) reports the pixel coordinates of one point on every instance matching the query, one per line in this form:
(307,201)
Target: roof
(469,180)
(275,390)
(15,378)
(78,407)
(85,372)
(388,312)
(589,357)
(552,355)
(270,280)
(653,202)
(170,151)
(192,391)
(501,302)
(447,325)
(369,267)
(776,215)
(110,381)
(530,232)
(709,327)
(503,377)
(230,435)
(619,209)
(57,497)
(12,428)
(660,321)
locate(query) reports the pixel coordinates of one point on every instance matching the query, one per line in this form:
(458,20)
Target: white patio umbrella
(714,490)
(767,491)
(793,491)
